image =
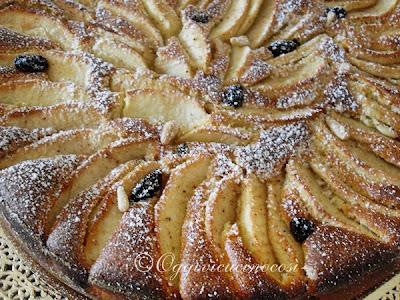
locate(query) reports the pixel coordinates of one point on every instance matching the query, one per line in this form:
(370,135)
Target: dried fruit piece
(280,47)
(234,95)
(301,228)
(200,17)
(147,187)
(31,63)
(339,12)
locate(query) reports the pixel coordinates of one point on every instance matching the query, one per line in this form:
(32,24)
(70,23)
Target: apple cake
(203,149)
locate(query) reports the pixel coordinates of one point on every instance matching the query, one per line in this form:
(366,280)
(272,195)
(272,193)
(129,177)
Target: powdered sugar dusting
(269,154)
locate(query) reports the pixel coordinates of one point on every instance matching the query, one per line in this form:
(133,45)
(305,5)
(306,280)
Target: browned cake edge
(33,253)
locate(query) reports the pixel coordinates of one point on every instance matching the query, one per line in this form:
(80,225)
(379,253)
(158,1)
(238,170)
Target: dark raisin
(182,149)
(200,17)
(301,228)
(234,95)
(280,47)
(147,187)
(31,63)
(339,12)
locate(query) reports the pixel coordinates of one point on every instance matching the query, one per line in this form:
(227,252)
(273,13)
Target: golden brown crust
(335,257)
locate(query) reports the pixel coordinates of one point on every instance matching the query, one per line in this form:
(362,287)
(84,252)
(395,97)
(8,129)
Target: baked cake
(201,149)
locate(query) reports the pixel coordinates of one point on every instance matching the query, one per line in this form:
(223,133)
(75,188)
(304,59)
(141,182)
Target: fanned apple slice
(81,142)
(252,222)
(40,93)
(247,65)
(366,173)
(383,222)
(390,71)
(198,250)
(219,134)
(134,12)
(320,205)
(238,59)
(134,240)
(66,238)
(286,249)
(170,210)
(347,128)
(252,12)
(231,21)
(310,48)
(59,117)
(221,210)
(163,16)
(248,272)
(194,38)
(163,106)
(34,23)
(380,90)
(381,8)
(119,54)
(14,138)
(250,117)
(106,216)
(260,31)
(306,69)
(172,59)
(350,5)
(381,113)
(98,165)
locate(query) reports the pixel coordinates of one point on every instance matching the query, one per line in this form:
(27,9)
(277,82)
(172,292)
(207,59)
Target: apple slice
(350,5)
(173,60)
(252,13)
(106,216)
(170,210)
(260,31)
(163,16)
(194,38)
(164,106)
(80,141)
(219,134)
(231,20)
(287,250)
(253,222)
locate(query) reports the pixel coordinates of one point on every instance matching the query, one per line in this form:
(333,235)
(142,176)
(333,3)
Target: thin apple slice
(198,250)
(163,106)
(170,210)
(221,210)
(80,141)
(384,147)
(163,16)
(366,173)
(219,134)
(106,216)
(252,13)
(40,93)
(260,31)
(194,37)
(172,59)
(253,220)
(287,250)
(321,207)
(231,21)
